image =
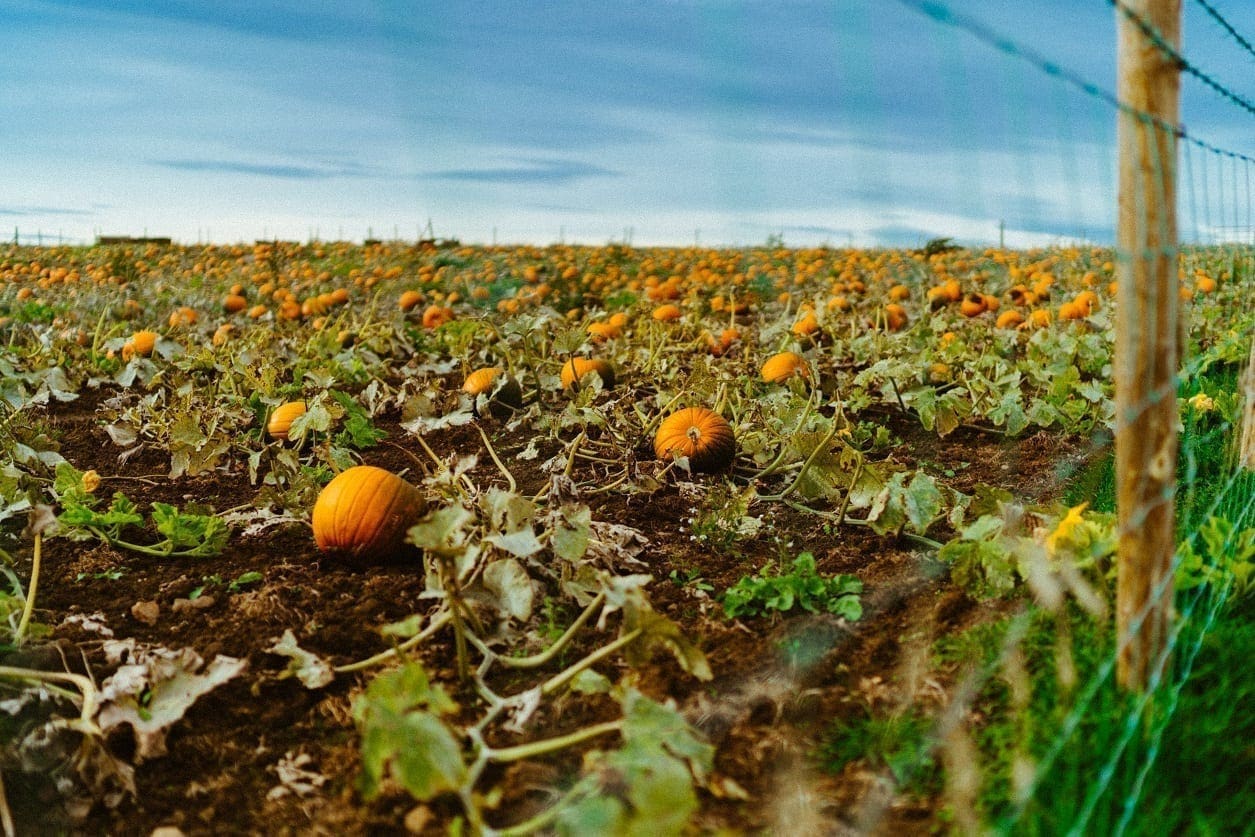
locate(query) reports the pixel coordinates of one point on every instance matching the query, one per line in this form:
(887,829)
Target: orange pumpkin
(806,325)
(366,512)
(233,303)
(702,435)
(506,399)
(281,419)
(783,366)
(667,313)
(1009,319)
(600,332)
(409,299)
(436,316)
(142,343)
(895,317)
(578,367)
(973,305)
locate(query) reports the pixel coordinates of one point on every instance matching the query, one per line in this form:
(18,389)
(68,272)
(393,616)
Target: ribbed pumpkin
(365,512)
(578,367)
(281,418)
(783,366)
(702,435)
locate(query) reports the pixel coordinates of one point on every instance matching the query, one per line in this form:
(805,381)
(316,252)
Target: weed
(801,587)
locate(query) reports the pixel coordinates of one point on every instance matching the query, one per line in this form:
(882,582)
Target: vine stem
(550,745)
(29,607)
(85,722)
(435,625)
(563,677)
(805,466)
(497,460)
(541,820)
(543,657)
(774,465)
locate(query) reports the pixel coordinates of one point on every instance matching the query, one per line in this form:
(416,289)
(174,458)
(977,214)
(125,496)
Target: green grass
(1182,762)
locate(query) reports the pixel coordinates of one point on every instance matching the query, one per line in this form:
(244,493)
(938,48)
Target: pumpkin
(600,332)
(142,343)
(578,367)
(702,435)
(281,418)
(895,317)
(973,305)
(783,366)
(233,303)
(1010,319)
(436,316)
(806,325)
(667,313)
(366,512)
(409,299)
(507,398)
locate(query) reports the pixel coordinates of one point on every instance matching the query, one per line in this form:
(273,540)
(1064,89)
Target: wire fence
(1090,774)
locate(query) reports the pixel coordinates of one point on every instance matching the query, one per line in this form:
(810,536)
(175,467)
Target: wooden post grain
(1146,351)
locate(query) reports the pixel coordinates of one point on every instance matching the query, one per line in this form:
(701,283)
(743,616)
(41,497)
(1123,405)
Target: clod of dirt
(192,605)
(146,612)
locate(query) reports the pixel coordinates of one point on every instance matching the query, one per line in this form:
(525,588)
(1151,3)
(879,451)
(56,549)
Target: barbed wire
(942,13)
(1174,55)
(1228,27)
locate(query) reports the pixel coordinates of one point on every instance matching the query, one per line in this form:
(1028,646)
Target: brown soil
(764,713)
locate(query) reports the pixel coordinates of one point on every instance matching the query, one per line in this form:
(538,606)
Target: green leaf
(571,532)
(404,737)
(922,501)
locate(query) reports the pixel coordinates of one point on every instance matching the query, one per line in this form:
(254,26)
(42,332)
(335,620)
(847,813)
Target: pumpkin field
(397,537)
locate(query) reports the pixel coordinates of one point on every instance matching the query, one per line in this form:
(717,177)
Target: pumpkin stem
(694,433)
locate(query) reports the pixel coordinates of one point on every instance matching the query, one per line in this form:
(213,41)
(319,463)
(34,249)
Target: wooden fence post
(1146,352)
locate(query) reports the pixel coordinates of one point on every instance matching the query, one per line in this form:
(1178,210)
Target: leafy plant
(185,532)
(800,587)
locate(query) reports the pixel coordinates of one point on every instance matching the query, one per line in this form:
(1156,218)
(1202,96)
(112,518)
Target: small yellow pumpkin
(782,366)
(577,368)
(702,435)
(366,512)
(281,419)
(507,398)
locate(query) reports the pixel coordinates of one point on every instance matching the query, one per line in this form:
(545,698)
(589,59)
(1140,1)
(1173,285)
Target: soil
(764,711)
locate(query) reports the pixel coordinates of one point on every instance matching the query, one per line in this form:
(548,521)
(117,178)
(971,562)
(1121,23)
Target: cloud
(28,211)
(526,172)
(286,172)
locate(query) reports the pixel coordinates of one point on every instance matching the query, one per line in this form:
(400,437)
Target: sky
(658,122)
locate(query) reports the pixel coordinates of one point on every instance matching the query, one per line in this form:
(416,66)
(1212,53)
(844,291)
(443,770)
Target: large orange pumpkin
(281,418)
(366,512)
(702,435)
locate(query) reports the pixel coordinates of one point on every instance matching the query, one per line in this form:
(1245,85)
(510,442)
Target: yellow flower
(1202,403)
(1067,527)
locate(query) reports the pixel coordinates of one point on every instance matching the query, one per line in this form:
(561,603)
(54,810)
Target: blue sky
(853,121)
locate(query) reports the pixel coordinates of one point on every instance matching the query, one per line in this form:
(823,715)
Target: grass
(1061,749)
